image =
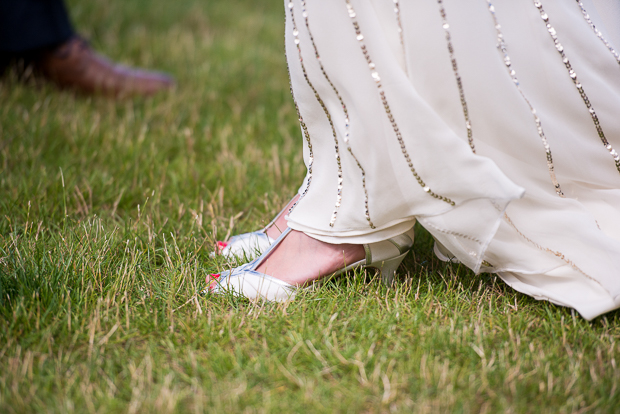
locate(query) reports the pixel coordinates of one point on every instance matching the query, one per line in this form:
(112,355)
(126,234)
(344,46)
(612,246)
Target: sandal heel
(388,268)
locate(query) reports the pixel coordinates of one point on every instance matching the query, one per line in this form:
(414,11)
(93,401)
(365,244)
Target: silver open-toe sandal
(244,280)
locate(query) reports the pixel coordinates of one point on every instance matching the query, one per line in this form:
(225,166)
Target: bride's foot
(296,259)
(300,259)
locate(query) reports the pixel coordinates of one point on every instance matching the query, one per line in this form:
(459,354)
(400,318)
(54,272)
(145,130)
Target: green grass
(108,213)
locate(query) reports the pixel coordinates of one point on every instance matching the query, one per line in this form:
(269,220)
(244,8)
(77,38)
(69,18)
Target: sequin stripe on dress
(375,76)
(557,254)
(573,75)
(310,155)
(327,114)
(306,136)
(597,32)
(345,113)
(401,33)
(501,46)
(461,235)
(453,233)
(455,69)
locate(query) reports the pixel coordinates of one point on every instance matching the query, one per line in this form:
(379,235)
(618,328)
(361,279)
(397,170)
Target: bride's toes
(211,280)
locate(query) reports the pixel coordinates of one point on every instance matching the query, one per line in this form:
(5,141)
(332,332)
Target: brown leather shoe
(74,65)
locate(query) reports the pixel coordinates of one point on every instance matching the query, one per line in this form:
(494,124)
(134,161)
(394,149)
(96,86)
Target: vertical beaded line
(556,253)
(571,72)
(306,136)
(310,155)
(327,114)
(346,115)
(400,33)
(501,46)
(455,69)
(375,76)
(597,32)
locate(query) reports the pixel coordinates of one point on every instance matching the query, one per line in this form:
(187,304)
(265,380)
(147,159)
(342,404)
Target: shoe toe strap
(254,285)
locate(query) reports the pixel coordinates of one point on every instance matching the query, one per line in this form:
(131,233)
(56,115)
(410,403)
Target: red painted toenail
(211,280)
(222,244)
(212,277)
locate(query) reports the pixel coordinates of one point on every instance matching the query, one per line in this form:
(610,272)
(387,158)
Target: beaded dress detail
(494,123)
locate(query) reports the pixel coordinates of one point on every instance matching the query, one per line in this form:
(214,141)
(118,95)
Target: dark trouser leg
(29,26)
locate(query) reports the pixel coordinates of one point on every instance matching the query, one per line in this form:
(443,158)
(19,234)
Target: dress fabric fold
(494,124)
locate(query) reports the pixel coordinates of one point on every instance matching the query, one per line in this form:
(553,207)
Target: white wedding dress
(496,126)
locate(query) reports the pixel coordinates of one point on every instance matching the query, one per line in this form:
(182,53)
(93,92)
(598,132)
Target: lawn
(109,211)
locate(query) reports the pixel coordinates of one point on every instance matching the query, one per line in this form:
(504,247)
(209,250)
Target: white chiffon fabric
(500,212)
